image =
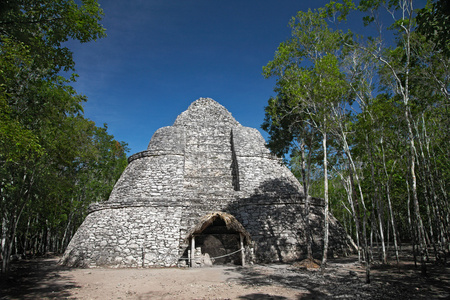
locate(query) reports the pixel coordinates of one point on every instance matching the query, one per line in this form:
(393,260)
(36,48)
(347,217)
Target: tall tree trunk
(48,238)
(412,227)
(309,252)
(26,239)
(437,220)
(4,244)
(65,235)
(353,171)
(419,223)
(403,88)
(377,202)
(325,183)
(363,234)
(372,229)
(10,236)
(391,213)
(352,212)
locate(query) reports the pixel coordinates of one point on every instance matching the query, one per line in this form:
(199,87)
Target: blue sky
(161,55)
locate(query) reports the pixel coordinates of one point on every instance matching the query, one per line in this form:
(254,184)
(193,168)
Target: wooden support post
(192,251)
(241,237)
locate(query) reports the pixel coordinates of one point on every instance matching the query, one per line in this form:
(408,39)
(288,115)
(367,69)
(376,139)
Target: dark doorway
(219,241)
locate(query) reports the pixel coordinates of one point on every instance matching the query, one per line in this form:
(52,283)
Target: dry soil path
(344,279)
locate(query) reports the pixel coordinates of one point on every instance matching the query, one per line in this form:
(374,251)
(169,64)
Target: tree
(289,131)
(44,25)
(37,105)
(309,82)
(434,23)
(388,128)
(396,71)
(385,118)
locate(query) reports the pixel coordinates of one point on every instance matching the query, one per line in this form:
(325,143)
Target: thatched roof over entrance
(230,222)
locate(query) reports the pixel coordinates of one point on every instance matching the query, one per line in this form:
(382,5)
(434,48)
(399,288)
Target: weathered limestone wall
(259,170)
(277,228)
(157,172)
(127,237)
(168,140)
(149,178)
(207,151)
(205,112)
(207,161)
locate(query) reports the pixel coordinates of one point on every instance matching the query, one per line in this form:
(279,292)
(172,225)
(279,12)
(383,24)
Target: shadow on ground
(259,296)
(35,279)
(345,278)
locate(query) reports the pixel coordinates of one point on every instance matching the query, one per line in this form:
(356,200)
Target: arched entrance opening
(219,237)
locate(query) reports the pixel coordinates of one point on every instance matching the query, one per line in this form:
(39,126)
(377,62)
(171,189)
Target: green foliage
(342,9)
(281,132)
(53,161)
(375,100)
(309,83)
(433,22)
(306,67)
(44,25)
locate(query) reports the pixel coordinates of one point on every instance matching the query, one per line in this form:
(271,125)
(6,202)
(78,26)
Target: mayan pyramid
(203,183)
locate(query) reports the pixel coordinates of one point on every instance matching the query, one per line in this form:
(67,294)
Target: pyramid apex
(206,112)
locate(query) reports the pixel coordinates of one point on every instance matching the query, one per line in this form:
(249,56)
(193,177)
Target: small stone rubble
(205,162)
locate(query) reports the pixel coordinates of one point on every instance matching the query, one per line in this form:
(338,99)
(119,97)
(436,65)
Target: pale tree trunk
(348,189)
(9,228)
(65,235)
(42,241)
(4,253)
(363,234)
(377,202)
(357,224)
(402,89)
(10,219)
(48,238)
(437,213)
(16,246)
(388,195)
(307,198)
(8,238)
(36,238)
(353,170)
(419,223)
(412,227)
(326,219)
(388,233)
(394,232)
(427,196)
(26,243)
(373,234)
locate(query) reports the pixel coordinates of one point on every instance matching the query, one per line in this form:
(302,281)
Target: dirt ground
(343,279)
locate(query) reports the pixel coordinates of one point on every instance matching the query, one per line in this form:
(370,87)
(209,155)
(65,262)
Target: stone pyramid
(205,162)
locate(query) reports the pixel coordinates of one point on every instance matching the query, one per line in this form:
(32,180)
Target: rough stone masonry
(205,162)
